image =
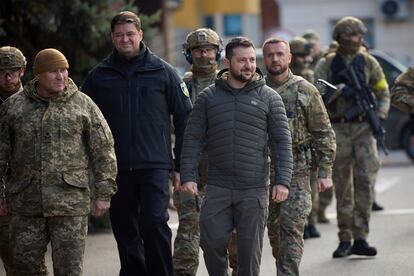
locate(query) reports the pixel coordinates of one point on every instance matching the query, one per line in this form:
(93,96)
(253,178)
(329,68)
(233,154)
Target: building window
(209,22)
(233,25)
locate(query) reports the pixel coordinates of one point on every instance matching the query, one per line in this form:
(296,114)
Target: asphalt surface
(391,231)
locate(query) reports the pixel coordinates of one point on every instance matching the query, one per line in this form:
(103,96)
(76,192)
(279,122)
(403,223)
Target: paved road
(392,232)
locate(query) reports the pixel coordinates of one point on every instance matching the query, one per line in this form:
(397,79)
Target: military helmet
(299,45)
(311,36)
(11,57)
(202,37)
(350,25)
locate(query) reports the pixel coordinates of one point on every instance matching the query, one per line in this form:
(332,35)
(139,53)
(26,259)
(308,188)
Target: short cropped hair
(239,41)
(126,17)
(275,40)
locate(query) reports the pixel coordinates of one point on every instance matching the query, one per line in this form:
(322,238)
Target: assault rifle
(366,104)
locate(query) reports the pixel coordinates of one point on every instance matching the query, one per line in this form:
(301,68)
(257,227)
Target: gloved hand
(346,91)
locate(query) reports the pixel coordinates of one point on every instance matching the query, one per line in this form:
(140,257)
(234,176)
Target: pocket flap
(16,184)
(78,179)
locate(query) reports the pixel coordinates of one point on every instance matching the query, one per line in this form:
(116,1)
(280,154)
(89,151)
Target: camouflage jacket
(54,147)
(403,91)
(196,84)
(374,77)
(308,122)
(305,73)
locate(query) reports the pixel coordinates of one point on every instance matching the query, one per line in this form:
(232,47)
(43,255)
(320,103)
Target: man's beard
(277,72)
(240,77)
(10,89)
(299,65)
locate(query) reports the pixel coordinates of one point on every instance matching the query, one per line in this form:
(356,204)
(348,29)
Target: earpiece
(188,57)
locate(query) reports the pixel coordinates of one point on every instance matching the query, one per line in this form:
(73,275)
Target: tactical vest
(338,68)
(296,120)
(195,87)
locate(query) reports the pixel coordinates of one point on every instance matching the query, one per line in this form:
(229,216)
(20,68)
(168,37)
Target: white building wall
(393,37)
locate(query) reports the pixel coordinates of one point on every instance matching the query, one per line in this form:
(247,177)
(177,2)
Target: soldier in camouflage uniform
(403,91)
(300,49)
(356,163)
(53,136)
(202,50)
(324,199)
(309,124)
(316,50)
(403,96)
(12,67)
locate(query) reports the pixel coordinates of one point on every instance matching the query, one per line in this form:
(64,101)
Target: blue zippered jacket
(137,98)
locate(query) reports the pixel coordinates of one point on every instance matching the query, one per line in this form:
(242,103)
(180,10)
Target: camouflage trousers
(354,173)
(313,216)
(320,201)
(31,235)
(187,241)
(325,199)
(5,245)
(286,223)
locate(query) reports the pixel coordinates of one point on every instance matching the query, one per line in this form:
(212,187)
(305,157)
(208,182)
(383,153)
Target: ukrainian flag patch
(184,89)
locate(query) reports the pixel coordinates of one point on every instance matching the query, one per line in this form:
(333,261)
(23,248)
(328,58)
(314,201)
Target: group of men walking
(59,148)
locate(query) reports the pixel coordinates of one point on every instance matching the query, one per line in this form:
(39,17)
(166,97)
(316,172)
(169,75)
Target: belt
(356,119)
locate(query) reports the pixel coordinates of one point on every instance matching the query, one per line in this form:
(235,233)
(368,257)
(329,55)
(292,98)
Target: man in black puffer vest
(235,120)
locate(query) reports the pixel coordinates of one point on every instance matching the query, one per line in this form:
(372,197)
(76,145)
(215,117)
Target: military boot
(322,217)
(313,231)
(376,207)
(343,250)
(306,233)
(361,247)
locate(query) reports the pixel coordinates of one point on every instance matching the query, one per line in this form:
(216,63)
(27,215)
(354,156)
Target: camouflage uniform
(187,241)
(356,163)
(403,91)
(10,58)
(51,144)
(309,123)
(403,96)
(323,199)
(300,46)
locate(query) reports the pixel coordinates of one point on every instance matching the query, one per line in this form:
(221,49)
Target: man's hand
(190,188)
(3,206)
(100,207)
(176,181)
(324,184)
(279,193)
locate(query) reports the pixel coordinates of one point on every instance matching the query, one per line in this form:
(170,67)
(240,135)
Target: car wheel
(408,143)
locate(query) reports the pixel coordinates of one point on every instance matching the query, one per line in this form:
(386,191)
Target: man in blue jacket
(137,93)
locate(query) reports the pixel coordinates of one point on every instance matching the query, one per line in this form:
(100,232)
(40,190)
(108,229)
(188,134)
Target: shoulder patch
(184,89)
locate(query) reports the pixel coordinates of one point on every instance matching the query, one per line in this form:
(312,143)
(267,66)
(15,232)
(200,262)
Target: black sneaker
(343,250)
(376,207)
(361,247)
(306,233)
(313,232)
